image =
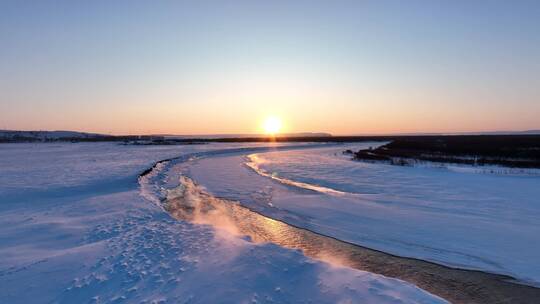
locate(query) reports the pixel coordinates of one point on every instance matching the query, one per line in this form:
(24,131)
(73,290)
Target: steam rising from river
(190,202)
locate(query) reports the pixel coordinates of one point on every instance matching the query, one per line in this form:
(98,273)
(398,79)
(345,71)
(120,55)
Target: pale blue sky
(345,67)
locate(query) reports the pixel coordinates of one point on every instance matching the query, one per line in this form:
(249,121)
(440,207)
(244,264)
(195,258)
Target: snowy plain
(78,227)
(488,222)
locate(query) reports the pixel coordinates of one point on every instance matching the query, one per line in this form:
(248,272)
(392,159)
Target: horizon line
(284,134)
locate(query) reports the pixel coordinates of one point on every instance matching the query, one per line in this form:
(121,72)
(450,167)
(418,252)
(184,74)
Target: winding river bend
(190,202)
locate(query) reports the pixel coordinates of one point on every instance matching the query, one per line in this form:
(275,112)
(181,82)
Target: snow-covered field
(477,221)
(78,227)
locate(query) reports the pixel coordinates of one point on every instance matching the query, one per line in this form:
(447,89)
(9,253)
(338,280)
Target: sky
(211,67)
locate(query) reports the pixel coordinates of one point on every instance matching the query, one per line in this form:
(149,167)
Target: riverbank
(190,202)
(517,152)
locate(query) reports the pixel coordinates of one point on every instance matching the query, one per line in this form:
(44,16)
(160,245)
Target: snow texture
(78,227)
(489,222)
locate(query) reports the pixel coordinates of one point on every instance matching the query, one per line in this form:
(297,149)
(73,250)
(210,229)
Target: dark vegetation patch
(518,151)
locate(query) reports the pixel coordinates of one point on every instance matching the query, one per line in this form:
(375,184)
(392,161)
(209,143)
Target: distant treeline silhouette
(520,151)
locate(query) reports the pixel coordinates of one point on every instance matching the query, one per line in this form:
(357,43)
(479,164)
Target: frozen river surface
(489,222)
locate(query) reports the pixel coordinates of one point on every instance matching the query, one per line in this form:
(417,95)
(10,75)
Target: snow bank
(475,221)
(75,229)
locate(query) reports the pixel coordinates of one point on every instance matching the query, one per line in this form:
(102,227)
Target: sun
(272,125)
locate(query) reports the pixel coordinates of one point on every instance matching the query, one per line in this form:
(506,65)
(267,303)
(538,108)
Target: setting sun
(272,125)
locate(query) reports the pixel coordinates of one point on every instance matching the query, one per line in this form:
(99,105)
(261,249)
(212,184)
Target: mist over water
(191,203)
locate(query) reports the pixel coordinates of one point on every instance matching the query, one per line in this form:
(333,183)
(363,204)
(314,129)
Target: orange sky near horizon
(334,118)
(237,106)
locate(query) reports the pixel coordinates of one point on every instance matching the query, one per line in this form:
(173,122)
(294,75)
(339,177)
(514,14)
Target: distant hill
(47,136)
(527,132)
(7,136)
(11,135)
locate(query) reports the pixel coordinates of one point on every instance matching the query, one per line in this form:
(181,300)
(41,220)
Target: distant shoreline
(510,151)
(46,137)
